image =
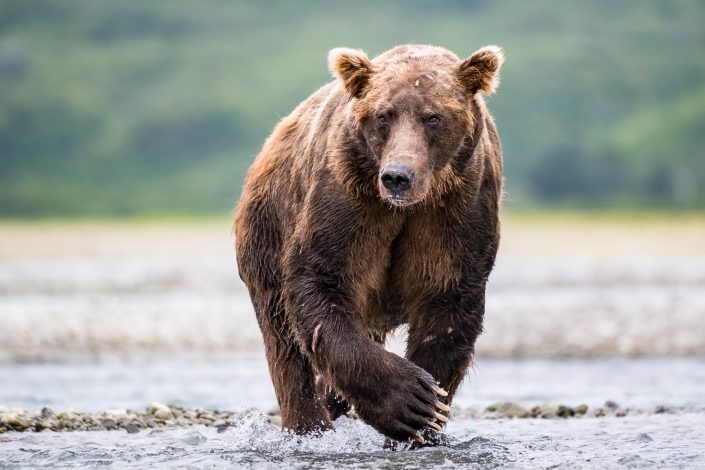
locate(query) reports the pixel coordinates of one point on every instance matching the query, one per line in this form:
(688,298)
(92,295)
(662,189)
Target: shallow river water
(661,441)
(642,439)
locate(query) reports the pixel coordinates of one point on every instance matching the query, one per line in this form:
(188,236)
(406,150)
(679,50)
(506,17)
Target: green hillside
(117,107)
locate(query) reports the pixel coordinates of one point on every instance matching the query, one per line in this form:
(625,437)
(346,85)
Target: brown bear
(375,204)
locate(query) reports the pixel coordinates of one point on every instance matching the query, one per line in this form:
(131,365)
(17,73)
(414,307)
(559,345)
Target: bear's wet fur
(375,204)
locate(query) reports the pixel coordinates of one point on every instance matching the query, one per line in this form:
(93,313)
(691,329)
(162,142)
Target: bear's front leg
(442,338)
(393,395)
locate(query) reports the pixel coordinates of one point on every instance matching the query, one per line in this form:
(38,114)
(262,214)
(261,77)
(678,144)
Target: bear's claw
(435,426)
(442,406)
(439,391)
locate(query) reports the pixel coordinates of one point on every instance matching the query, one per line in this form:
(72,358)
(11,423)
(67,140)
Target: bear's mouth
(398,200)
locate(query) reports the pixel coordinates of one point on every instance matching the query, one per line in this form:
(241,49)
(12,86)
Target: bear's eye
(382,119)
(433,120)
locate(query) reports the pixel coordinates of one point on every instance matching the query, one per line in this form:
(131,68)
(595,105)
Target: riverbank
(160,416)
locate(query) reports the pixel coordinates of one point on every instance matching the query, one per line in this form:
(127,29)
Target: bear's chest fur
(415,257)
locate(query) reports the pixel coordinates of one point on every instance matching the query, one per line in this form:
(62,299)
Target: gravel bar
(159,416)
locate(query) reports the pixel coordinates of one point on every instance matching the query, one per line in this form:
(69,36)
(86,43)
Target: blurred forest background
(129,107)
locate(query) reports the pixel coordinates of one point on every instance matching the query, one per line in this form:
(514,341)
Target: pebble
(132,428)
(509,409)
(109,423)
(155,407)
(565,411)
(546,411)
(160,411)
(163,414)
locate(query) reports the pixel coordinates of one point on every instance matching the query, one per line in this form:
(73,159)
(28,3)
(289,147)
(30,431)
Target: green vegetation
(124,106)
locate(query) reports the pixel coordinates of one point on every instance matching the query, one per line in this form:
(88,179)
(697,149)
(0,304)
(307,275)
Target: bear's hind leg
(442,341)
(302,408)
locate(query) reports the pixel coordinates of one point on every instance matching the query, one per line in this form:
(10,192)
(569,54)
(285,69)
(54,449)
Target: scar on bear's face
(425,79)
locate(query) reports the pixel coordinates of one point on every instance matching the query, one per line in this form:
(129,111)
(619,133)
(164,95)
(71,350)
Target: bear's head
(414,106)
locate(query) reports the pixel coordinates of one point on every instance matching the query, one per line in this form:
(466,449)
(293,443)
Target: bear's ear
(480,71)
(352,67)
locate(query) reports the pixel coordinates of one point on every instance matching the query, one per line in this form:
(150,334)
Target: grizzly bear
(375,204)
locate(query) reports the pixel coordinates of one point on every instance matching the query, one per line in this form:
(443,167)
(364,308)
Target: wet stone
(221,428)
(163,414)
(548,412)
(564,411)
(218,423)
(160,411)
(132,428)
(509,409)
(109,424)
(664,409)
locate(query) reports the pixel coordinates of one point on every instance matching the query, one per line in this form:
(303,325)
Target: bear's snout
(403,183)
(397,178)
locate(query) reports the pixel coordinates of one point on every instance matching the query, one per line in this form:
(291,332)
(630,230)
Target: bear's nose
(397,177)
